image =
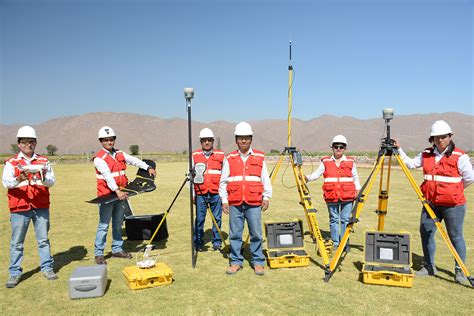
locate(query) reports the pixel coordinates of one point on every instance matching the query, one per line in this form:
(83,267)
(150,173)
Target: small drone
(34,169)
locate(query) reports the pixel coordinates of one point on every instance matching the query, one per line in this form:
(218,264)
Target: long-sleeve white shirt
(104,169)
(464,164)
(9,180)
(319,172)
(267,185)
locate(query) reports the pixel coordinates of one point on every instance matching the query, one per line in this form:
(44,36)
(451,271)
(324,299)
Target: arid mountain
(78,134)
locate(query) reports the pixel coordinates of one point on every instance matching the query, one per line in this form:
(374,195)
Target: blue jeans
(215,204)
(339,212)
(20,222)
(454,220)
(115,212)
(237,216)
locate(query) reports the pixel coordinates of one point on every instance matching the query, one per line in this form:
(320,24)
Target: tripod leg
(436,220)
(244,244)
(274,172)
(383,196)
(217,227)
(356,210)
(167,211)
(310,210)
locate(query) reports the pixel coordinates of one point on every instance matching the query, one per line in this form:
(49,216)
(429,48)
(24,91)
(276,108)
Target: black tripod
(387,149)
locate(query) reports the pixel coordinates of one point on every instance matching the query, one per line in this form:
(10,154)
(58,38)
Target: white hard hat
(26,132)
(440,128)
(206,133)
(339,139)
(243,129)
(106,131)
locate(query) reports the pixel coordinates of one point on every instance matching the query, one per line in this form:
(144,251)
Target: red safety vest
(31,193)
(244,182)
(443,183)
(338,181)
(117,167)
(212,175)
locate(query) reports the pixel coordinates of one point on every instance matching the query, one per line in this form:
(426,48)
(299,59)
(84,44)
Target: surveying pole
(296,161)
(290,96)
(188,95)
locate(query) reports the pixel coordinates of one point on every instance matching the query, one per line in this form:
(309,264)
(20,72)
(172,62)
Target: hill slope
(78,134)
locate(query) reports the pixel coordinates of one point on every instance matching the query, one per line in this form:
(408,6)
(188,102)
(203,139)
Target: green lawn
(207,289)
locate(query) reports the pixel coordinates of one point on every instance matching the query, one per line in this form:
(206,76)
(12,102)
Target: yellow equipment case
(137,278)
(285,245)
(387,259)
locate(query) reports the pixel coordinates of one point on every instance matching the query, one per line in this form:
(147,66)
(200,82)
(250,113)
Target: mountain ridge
(78,133)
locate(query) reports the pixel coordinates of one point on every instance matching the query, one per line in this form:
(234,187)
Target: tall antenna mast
(290,95)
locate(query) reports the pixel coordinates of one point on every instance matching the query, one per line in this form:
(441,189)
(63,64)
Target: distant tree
(14,148)
(274,151)
(51,149)
(184,152)
(134,149)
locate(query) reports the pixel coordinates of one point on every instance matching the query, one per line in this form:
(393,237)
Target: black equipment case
(142,227)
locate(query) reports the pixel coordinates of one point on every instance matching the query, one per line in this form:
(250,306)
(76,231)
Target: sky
(350,57)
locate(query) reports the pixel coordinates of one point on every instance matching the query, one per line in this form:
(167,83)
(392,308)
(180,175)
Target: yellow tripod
(388,150)
(296,162)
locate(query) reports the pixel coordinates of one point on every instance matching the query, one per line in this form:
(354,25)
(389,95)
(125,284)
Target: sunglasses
(339,147)
(28,142)
(210,140)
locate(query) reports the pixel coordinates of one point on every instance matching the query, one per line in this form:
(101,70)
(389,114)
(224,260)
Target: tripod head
(387,143)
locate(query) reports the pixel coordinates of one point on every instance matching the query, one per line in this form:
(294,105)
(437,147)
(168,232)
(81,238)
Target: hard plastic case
(137,278)
(387,259)
(88,281)
(285,244)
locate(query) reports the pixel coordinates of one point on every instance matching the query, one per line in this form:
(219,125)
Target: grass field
(207,289)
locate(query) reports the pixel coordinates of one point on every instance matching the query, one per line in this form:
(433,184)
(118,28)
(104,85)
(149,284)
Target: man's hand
(121,195)
(225,208)
(396,144)
(265,204)
(152,172)
(23,175)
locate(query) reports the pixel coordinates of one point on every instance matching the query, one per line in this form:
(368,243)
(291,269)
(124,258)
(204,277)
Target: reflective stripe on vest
(213,171)
(247,178)
(430,177)
(343,179)
(113,174)
(29,182)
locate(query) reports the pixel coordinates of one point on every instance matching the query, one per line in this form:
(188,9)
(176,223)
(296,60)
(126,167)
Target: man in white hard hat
(28,177)
(340,188)
(207,193)
(245,190)
(447,172)
(110,165)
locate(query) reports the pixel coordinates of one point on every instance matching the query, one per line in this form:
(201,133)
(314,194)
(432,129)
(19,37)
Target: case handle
(85,288)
